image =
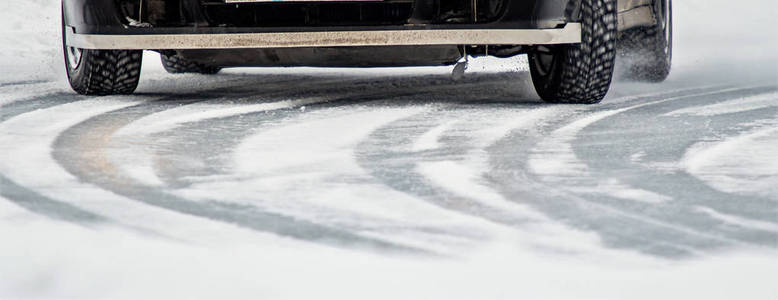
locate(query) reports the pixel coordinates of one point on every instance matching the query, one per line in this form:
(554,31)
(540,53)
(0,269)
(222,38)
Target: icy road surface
(401,183)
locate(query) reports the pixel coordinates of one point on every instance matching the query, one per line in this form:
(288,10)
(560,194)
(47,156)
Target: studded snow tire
(101,72)
(579,73)
(105,72)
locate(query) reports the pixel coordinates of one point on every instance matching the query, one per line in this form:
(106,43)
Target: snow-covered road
(391,184)
(413,165)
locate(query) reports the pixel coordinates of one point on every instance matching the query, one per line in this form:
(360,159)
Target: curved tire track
(81,150)
(620,223)
(410,156)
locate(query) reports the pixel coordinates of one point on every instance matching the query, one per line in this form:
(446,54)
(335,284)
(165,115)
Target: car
(572,45)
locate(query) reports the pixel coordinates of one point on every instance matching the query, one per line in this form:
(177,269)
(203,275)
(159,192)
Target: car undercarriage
(571,43)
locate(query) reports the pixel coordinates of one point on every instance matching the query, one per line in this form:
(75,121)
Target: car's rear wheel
(101,72)
(176,64)
(646,53)
(579,73)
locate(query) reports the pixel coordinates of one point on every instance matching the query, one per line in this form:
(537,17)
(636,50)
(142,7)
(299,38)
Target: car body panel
(106,17)
(422,39)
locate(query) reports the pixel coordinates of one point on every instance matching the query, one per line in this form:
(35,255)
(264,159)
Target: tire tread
(176,64)
(107,72)
(585,70)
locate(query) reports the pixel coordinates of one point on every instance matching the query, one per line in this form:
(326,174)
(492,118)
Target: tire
(579,73)
(176,64)
(646,53)
(101,72)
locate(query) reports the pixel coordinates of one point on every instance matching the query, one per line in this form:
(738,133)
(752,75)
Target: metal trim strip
(570,34)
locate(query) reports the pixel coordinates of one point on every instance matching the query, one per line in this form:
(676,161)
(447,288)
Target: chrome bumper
(570,34)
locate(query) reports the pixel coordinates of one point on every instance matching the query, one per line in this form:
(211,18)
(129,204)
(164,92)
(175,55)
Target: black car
(572,44)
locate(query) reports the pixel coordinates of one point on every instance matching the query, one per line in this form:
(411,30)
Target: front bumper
(569,34)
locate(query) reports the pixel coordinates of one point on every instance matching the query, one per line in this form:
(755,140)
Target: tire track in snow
(445,136)
(45,206)
(19,105)
(461,175)
(237,128)
(230,130)
(389,155)
(211,161)
(26,139)
(308,174)
(742,162)
(449,147)
(27,198)
(238,92)
(81,149)
(19,83)
(687,192)
(81,195)
(27,90)
(599,213)
(233,129)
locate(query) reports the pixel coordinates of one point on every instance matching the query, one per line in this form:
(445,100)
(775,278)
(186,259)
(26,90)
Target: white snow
(30,47)
(172,118)
(329,140)
(430,139)
(726,36)
(741,164)
(26,143)
(112,264)
(24,92)
(463,181)
(136,157)
(739,221)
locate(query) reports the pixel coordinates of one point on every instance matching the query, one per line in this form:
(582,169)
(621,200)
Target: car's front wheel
(579,73)
(101,72)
